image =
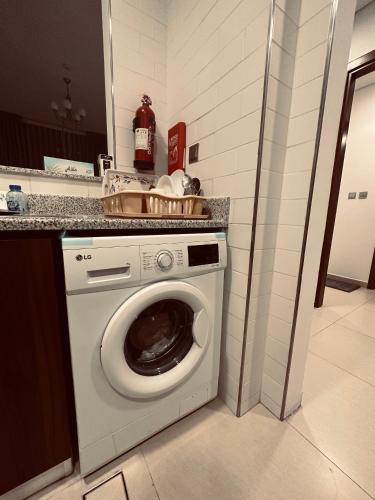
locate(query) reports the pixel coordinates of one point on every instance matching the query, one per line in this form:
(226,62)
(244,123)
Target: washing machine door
(156,339)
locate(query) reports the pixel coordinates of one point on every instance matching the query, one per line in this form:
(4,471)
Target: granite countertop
(67,213)
(98,222)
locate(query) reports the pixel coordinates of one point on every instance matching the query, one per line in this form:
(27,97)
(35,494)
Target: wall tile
(233,347)
(303,128)
(236,185)
(285,31)
(236,282)
(282,65)
(233,325)
(242,210)
(216,61)
(266,236)
(310,65)
(273,389)
(296,185)
(261,284)
(59,187)
(240,18)
(268,211)
(263,260)
(279,96)
(247,72)
(284,285)
(306,97)
(293,212)
(276,127)
(281,308)
(273,156)
(310,9)
(279,329)
(256,32)
(313,32)
(292,9)
(290,237)
(271,184)
(22,180)
(239,235)
(247,157)
(299,158)
(287,261)
(279,352)
(238,259)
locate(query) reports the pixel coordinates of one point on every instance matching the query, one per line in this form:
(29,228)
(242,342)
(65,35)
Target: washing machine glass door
(156,339)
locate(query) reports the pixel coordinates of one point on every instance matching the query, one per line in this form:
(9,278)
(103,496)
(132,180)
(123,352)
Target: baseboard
(39,482)
(351,281)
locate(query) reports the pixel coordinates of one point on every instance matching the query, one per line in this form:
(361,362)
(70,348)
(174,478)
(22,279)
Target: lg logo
(80,257)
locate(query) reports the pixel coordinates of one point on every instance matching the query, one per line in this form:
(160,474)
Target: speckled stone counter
(33,172)
(68,213)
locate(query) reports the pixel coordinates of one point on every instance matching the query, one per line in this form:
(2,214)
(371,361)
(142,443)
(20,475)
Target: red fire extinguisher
(144,126)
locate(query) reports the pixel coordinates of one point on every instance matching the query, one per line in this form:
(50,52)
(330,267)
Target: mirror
(53,99)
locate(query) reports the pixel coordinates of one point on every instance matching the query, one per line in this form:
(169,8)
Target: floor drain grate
(113,487)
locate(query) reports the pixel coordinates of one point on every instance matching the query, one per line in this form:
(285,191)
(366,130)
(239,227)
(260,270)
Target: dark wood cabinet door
(34,422)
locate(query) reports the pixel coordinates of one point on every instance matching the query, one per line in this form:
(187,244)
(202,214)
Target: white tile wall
(48,185)
(331,117)
(139,34)
(297,64)
(216,60)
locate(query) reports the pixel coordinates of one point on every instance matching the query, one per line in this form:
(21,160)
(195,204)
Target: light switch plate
(362,195)
(352,196)
(194,153)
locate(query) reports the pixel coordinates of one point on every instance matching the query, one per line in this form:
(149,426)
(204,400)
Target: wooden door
(34,422)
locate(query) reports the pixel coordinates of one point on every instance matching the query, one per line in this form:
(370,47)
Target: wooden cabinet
(35,383)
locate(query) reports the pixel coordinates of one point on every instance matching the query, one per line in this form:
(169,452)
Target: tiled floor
(325,451)
(338,413)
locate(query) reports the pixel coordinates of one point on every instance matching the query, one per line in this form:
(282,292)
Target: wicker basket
(151,204)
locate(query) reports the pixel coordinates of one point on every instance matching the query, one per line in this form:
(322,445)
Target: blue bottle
(16,199)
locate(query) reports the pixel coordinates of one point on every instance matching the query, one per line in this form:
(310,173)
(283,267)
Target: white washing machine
(145,325)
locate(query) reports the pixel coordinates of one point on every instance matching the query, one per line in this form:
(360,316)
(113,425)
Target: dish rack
(149,204)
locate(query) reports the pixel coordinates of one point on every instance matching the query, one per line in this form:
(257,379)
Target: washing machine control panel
(156,259)
(180,258)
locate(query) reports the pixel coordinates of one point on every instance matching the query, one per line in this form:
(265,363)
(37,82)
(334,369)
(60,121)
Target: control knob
(164,261)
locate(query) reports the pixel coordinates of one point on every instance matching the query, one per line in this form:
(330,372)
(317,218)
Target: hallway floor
(325,451)
(338,413)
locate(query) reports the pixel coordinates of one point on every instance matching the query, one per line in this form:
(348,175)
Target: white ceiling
(362,3)
(38,37)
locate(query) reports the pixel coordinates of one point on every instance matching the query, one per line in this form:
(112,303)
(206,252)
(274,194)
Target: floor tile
(137,477)
(370,305)
(361,320)
(318,323)
(338,304)
(327,314)
(337,416)
(112,489)
(58,487)
(342,302)
(212,454)
(347,349)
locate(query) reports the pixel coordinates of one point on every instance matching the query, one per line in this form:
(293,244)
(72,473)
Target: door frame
(357,68)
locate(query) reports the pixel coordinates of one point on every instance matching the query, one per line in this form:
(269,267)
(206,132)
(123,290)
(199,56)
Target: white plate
(166,185)
(177,177)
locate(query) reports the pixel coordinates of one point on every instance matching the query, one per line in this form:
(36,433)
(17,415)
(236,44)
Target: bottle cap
(15,187)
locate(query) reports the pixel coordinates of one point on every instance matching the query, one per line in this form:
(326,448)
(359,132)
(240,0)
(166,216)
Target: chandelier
(66,112)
